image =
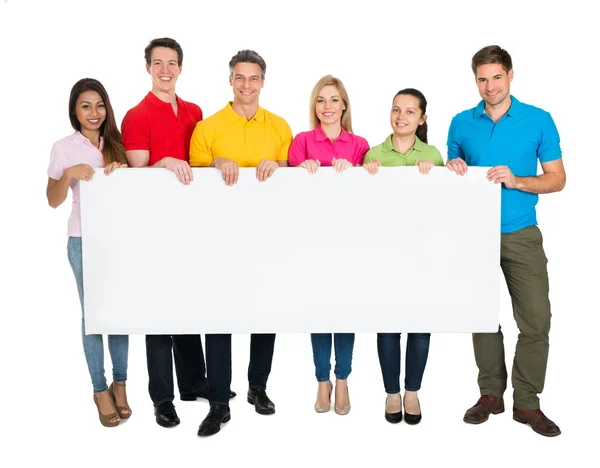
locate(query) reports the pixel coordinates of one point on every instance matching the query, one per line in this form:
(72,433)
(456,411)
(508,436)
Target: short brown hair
(164,42)
(492,54)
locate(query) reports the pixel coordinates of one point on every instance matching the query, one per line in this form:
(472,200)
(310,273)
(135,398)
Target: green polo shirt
(388,156)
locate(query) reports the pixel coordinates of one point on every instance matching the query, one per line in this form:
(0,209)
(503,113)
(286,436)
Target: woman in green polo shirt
(407,146)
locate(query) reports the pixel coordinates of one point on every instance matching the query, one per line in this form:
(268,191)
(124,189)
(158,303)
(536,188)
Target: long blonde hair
(329,80)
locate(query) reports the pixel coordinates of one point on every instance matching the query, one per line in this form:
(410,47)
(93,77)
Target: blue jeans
(321,345)
(93,347)
(417,350)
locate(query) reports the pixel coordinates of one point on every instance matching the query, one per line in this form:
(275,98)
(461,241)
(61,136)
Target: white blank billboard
(350,252)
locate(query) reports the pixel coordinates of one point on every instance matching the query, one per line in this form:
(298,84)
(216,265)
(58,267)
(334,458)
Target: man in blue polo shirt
(511,136)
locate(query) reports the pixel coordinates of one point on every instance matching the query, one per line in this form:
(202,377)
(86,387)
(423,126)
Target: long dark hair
(421,129)
(112,150)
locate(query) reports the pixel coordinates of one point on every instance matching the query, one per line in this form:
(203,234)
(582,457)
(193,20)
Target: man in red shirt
(157,133)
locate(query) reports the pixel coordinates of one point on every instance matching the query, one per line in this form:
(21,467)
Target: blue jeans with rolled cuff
(93,346)
(321,345)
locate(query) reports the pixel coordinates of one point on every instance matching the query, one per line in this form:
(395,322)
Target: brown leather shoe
(481,411)
(537,420)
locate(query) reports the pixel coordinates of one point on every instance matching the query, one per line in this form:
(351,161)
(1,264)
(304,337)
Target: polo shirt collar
(418,146)
(388,146)
(321,136)
(155,101)
(515,107)
(77,138)
(233,115)
(514,110)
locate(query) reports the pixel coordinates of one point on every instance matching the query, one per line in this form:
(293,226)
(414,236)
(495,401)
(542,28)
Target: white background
(377,48)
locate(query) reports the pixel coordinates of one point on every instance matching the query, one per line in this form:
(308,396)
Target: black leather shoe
(202,393)
(218,414)
(166,416)
(413,418)
(258,397)
(393,418)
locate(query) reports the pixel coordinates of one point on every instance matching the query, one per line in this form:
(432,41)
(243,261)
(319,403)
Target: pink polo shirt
(70,151)
(316,146)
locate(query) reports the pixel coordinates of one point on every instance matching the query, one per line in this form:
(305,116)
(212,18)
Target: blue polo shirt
(521,137)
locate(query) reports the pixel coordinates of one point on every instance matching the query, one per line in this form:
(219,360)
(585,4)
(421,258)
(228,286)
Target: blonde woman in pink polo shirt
(330,143)
(95,143)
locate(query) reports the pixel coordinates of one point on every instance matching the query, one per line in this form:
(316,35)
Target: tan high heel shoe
(124,411)
(105,419)
(324,409)
(342,410)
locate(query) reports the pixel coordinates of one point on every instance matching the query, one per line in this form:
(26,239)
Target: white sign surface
(350,252)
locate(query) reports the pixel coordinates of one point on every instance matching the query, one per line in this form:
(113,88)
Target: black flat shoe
(218,414)
(413,419)
(262,404)
(166,416)
(202,393)
(393,418)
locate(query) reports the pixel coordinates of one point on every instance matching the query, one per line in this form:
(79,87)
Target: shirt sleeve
(297,152)
(549,147)
(135,130)
(436,156)
(454,147)
(200,148)
(361,151)
(371,156)
(199,115)
(58,162)
(286,141)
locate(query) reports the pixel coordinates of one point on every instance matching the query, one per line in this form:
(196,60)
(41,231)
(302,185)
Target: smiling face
(406,116)
(164,69)
(329,106)
(247,82)
(493,83)
(90,111)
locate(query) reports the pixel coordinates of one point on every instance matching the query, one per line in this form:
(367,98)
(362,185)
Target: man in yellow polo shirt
(242,134)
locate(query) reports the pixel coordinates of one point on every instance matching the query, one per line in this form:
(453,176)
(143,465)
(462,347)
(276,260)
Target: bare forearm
(218,161)
(137,158)
(544,183)
(160,163)
(57,194)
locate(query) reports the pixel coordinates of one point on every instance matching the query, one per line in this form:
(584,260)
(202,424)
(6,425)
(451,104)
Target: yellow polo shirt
(229,135)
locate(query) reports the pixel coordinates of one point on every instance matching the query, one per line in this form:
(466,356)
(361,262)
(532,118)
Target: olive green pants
(523,262)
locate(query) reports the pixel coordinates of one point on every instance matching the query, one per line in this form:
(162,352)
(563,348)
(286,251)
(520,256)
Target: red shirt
(153,126)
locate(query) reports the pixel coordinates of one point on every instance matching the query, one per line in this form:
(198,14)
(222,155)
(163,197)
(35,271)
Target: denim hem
(215,402)
(406,389)
(103,389)
(326,379)
(163,401)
